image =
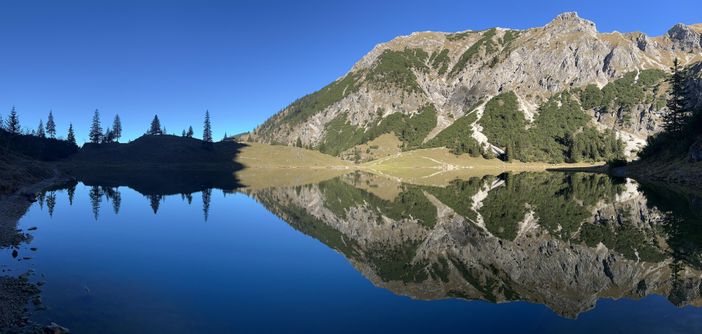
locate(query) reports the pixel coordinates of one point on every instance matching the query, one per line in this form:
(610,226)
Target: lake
(528,252)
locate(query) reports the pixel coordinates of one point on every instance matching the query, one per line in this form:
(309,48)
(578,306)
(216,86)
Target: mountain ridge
(446,76)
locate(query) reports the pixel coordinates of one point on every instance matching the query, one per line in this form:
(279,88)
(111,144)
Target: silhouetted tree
(12,125)
(190,132)
(40,130)
(51,125)
(95,129)
(71,137)
(71,191)
(207,131)
(206,197)
(109,136)
(51,203)
(155,202)
(117,129)
(95,199)
(189,197)
(40,199)
(155,128)
(115,196)
(183,133)
(676,117)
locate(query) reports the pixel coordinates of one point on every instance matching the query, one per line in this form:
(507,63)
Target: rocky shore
(18,292)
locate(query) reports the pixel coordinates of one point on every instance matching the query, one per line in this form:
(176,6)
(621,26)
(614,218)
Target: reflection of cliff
(563,240)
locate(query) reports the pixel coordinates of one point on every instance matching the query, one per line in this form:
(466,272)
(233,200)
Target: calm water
(533,252)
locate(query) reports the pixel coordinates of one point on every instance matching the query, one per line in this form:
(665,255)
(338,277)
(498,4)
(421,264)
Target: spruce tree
(40,130)
(51,125)
(95,129)
(117,129)
(190,132)
(207,132)
(155,128)
(12,124)
(677,114)
(183,133)
(71,137)
(509,151)
(108,137)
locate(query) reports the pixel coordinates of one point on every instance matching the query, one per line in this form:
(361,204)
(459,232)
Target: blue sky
(242,61)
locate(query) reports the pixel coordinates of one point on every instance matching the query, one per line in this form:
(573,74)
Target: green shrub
(484,43)
(457,137)
(395,68)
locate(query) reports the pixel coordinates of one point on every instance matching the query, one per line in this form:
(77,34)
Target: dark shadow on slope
(158,165)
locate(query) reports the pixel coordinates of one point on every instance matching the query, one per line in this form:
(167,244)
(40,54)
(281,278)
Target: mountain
(562,240)
(561,92)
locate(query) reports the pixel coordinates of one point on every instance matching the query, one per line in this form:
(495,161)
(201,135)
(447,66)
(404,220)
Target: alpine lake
(531,252)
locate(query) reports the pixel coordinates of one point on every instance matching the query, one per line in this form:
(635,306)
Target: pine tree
(509,152)
(40,130)
(51,125)
(12,124)
(95,129)
(71,137)
(207,132)
(155,129)
(117,129)
(190,132)
(183,133)
(677,114)
(108,137)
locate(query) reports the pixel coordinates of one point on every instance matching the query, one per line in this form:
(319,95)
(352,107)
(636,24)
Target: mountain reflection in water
(562,240)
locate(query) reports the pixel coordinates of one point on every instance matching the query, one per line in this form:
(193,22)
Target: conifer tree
(155,128)
(207,131)
(117,129)
(190,132)
(71,137)
(40,130)
(677,114)
(95,129)
(51,125)
(109,136)
(12,124)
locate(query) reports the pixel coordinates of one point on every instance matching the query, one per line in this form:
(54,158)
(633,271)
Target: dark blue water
(244,270)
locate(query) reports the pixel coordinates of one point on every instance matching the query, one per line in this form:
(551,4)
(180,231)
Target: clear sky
(241,60)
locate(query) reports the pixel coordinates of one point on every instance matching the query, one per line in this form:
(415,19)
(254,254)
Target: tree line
(96,134)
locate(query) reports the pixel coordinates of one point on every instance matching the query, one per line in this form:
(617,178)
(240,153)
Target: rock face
(560,240)
(456,73)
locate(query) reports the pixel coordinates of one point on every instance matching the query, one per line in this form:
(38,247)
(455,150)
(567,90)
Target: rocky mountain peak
(685,37)
(569,22)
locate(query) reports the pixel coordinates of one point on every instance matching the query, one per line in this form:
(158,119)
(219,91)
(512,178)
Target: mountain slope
(561,92)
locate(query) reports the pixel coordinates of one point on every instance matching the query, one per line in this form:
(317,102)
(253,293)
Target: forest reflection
(102,196)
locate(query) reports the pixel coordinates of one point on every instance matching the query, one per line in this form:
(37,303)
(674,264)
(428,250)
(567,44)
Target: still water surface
(532,252)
